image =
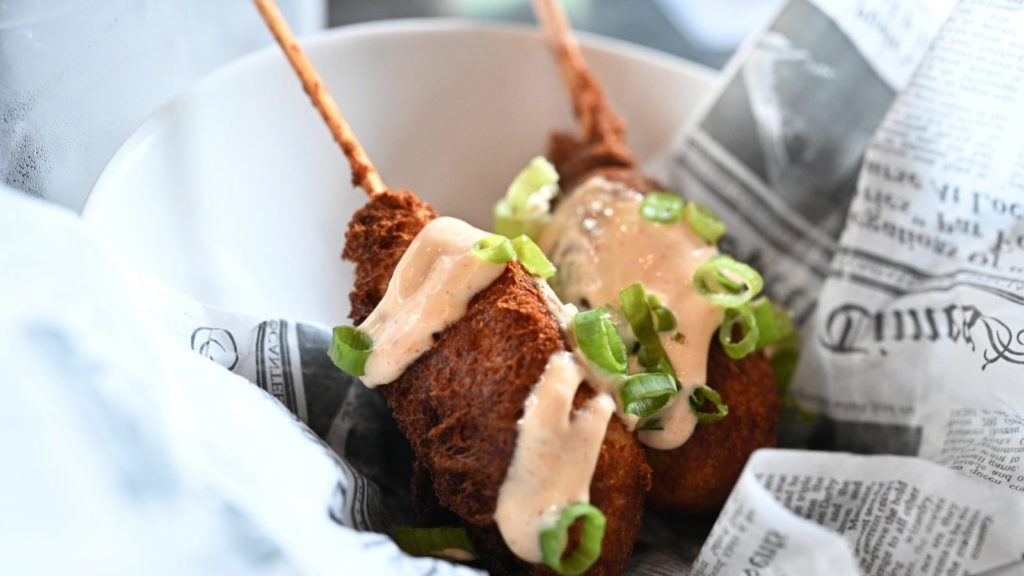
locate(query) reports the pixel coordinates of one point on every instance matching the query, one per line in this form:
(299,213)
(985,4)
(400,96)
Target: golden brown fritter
(578,161)
(376,238)
(611,481)
(458,404)
(698,476)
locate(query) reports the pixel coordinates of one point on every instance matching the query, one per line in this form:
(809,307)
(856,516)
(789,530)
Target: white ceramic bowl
(235,194)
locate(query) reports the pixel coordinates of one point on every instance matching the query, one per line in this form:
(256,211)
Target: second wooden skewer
(364,174)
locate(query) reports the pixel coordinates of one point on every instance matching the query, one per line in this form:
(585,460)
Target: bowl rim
(323,39)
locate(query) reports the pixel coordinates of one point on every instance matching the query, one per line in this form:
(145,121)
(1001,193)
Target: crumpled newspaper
(893,229)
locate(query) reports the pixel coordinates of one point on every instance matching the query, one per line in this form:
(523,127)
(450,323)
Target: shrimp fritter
(458,403)
(698,476)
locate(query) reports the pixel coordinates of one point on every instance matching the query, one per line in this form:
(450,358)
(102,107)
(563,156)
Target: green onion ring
(554,540)
(652,425)
(537,174)
(784,359)
(704,222)
(513,214)
(744,318)
(703,394)
(773,322)
(665,319)
(716,281)
(494,248)
(349,349)
(645,394)
(637,311)
(511,224)
(662,207)
(532,257)
(434,541)
(600,342)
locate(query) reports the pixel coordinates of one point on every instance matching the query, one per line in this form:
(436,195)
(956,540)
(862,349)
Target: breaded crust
(375,240)
(698,476)
(577,162)
(458,404)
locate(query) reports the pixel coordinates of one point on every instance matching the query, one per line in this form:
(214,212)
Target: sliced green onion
(784,357)
(446,542)
(349,349)
(494,248)
(599,341)
(511,224)
(637,311)
(554,540)
(663,207)
(702,395)
(726,282)
(645,394)
(664,318)
(526,207)
(773,322)
(784,366)
(704,222)
(532,257)
(537,174)
(743,318)
(621,327)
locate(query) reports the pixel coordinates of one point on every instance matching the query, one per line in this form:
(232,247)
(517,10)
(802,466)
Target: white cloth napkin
(127,453)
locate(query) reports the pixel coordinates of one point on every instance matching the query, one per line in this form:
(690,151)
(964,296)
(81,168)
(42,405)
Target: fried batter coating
(376,238)
(458,404)
(698,476)
(578,161)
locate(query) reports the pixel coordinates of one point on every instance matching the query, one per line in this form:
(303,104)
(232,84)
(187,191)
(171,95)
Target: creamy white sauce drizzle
(563,313)
(600,244)
(457,554)
(557,447)
(554,458)
(430,289)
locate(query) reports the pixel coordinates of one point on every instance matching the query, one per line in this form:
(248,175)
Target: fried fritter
(458,404)
(578,161)
(375,240)
(698,476)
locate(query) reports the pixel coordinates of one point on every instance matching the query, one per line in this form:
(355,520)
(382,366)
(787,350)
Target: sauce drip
(430,289)
(557,447)
(600,245)
(555,456)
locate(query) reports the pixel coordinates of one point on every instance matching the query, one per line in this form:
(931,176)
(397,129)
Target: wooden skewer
(597,120)
(364,174)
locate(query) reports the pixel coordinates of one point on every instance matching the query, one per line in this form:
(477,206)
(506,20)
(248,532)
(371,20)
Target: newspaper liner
(889,265)
(906,282)
(906,275)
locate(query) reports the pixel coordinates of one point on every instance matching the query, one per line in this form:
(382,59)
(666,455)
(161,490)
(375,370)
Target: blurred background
(78,76)
(698,30)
